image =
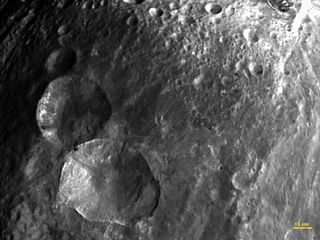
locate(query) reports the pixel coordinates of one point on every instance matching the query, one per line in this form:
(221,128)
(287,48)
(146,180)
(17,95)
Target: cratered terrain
(160,120)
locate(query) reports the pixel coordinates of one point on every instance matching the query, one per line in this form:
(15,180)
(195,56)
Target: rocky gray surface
(209,109)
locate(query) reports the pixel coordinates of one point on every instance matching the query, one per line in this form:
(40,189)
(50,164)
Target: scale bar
(302,228)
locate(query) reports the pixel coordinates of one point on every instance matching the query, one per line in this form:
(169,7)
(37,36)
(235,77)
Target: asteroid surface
(209,111)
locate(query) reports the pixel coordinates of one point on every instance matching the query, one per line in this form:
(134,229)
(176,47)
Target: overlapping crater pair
(102,179)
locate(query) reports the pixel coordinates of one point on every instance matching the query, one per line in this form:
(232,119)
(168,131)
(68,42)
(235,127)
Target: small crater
(155,12)
(256,69)
(227,81)
(186,20)
(132,21)
(61,61)
(281,5)
(63,29)
(133,1)
(64,3)
(178,83)
(213,8)
(86,5)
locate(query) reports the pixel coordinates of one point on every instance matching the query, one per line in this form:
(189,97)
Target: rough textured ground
(219,98)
